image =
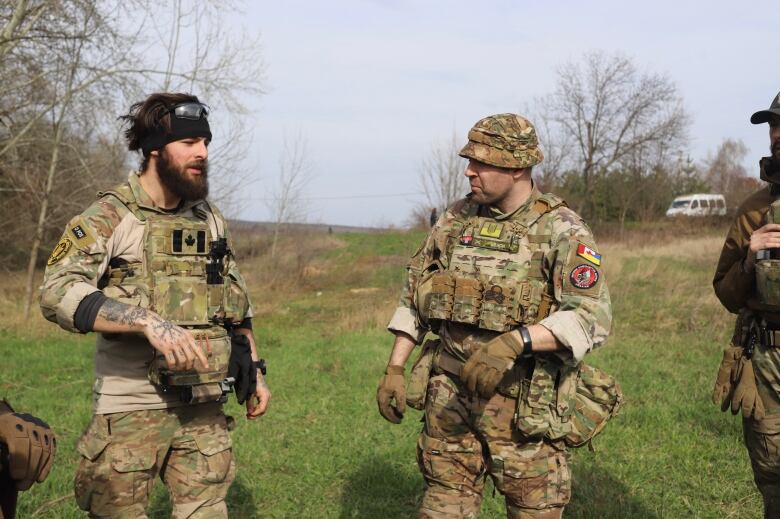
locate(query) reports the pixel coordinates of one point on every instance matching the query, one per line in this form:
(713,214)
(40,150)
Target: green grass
(324,451)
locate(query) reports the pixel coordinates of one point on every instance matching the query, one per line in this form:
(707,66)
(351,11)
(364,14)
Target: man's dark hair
(148,116)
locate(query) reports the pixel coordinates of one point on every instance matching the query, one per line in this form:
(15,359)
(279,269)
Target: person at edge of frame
(149,267)
(503,251)
(27,450)
(747,283)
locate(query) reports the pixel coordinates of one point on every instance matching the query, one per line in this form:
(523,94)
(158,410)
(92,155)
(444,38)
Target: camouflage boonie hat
(503,140)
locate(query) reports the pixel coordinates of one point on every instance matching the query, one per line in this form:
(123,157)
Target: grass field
(324,451)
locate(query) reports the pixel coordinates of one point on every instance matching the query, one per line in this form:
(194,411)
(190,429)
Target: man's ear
(521,174)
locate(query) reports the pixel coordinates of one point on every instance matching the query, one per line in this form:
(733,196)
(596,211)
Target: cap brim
(763,116)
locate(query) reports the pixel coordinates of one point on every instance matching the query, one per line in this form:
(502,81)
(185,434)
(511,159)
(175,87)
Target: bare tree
(724,170)
(225,68)
(608,111)
(295,172)
(441,175)
(67,67)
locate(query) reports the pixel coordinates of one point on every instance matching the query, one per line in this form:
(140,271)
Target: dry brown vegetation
(329,284)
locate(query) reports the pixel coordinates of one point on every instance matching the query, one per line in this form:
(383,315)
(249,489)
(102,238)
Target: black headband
(180,129)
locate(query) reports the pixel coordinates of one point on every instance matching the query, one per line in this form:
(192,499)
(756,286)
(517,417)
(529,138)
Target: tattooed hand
(176,344)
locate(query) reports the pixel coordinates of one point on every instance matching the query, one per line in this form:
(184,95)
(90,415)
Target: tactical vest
(491,273)
(182,278)
(768,269)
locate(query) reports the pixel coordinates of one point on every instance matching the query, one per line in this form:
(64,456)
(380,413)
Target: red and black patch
(584,276)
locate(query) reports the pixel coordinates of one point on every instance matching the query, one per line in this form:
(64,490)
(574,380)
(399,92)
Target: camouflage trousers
(122,453)
(466,438)
(762,438)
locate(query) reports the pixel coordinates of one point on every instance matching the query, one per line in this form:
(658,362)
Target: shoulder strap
(463,210)
(543,205)
(124,193)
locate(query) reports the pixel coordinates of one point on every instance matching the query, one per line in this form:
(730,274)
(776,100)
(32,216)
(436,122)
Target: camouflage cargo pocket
(91,472)
(457,464)
(540,483)
(216,451)
(133,479)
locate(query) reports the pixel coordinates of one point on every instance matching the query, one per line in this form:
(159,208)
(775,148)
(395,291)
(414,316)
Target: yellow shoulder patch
(60,250)
(79,232)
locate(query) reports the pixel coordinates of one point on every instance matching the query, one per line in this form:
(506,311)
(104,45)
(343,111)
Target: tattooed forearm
(120,313)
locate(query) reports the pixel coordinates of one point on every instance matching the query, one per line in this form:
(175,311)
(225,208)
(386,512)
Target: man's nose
(201,150)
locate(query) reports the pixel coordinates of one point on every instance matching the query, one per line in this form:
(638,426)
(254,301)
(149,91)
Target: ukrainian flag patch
(589,254)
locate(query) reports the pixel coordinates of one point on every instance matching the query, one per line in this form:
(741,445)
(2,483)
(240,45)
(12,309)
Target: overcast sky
(373,85)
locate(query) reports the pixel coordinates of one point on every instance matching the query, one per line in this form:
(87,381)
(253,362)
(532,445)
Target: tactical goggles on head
(193,111)
(189,120)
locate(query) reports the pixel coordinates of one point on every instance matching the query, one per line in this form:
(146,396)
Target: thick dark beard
(775,151)
(176,181)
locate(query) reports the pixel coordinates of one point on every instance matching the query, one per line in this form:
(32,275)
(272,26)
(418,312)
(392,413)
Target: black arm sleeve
(86,313)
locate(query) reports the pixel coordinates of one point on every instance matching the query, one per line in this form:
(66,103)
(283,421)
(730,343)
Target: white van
(698,205)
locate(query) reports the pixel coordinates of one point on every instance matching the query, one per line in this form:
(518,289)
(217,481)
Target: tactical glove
(721,393)
(392,387)
(746,394)
(487,366)
(241,367)
(31,446)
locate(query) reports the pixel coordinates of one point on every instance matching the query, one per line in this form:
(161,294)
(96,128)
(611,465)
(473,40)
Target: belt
(446,363)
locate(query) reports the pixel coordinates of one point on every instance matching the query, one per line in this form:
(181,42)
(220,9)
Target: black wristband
(527,343)
(260,365)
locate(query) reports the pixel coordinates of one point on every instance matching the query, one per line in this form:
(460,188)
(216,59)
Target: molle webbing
(493,304)
(497,303)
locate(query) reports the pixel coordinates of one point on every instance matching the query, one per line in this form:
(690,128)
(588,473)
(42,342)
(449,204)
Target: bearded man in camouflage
(511,281)
(747,282)
(149,267)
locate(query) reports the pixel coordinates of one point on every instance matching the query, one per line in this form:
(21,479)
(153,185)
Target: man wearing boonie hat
(747,282)
(511,281)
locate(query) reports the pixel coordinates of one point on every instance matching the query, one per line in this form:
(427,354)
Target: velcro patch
(60,250)
(81,234)
(589,254)
(491,230)
(584,276)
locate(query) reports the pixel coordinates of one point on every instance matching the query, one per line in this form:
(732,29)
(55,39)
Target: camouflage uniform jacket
(580,317)
(108,230)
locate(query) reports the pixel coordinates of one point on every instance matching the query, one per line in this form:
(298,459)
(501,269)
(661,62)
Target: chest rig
(491,273)
(768,273)
(182,277)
